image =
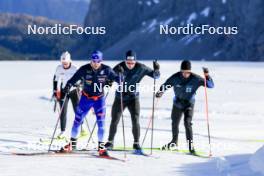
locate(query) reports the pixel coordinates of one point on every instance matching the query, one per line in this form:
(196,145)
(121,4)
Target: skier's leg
(99,109)
(134,109)
(81,111)
(188,114)
(116,115)
(74,99)
(176,115)
(63,117)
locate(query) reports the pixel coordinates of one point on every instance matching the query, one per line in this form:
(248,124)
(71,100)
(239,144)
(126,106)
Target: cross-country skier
(94,76)
(133,72)
(63,73)
(185,84)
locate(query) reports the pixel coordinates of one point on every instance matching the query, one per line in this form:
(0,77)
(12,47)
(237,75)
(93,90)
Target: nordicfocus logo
(99,87)
(190,29)
(58,29)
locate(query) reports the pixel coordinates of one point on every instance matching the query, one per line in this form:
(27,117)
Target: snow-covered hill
(139,28)
(236,119)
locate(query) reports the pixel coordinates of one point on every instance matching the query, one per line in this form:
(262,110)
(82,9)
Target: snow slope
(236,119)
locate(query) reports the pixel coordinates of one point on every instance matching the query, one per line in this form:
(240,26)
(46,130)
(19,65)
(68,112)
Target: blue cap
(97,56)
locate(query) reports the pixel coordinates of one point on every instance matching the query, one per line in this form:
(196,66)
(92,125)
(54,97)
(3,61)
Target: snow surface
(192,17)
(167,21)
(151,27)
(257,161)
(223,18)
(205,12)
(148,3)
(235,112)
(156,1)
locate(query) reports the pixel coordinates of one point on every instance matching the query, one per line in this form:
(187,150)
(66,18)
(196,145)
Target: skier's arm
(76,77)
(110,80)
(165,86)
(78,83)
(113,76)
(152,73)
(55,82)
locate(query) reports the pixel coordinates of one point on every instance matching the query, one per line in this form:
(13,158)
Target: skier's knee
(187,123)
(101,123)
(78,120)
(100,115)
(135,123)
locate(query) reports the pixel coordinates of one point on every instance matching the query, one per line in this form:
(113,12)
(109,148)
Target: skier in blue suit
(94,76)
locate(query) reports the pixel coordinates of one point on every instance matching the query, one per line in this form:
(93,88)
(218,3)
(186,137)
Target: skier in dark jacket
(94,77)
(185,84)
(133,72)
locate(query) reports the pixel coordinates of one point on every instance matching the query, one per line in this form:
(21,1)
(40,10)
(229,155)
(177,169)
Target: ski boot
(102,150)
(137,149)
(170,146)
(191,147)
(61,135)
(109,145)
(72,145)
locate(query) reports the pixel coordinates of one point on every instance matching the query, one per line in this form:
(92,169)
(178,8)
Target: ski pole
(122,115)
(56,126)
(91,134)
(207,115)
(87,124)
(153,111)
(148,127)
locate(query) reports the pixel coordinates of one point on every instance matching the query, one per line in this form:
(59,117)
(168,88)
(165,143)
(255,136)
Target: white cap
(65,57)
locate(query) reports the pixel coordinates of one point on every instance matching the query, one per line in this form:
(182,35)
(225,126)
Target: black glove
(66,89)
(159,94)
(156,65)
(120,69)
(205,70)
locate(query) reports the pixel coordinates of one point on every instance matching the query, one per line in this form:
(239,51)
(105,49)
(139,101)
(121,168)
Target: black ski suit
(184,100)
(130,98)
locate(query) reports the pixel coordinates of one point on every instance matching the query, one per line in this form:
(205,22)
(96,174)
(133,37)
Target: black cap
(186,65)
(131,55)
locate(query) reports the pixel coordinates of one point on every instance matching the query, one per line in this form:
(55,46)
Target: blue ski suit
(92,96)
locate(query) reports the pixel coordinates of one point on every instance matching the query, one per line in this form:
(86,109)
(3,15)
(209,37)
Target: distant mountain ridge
(15,43)
(135,24)
(70,11)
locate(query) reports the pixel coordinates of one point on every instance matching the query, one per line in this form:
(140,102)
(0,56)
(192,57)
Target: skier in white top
(63,73)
